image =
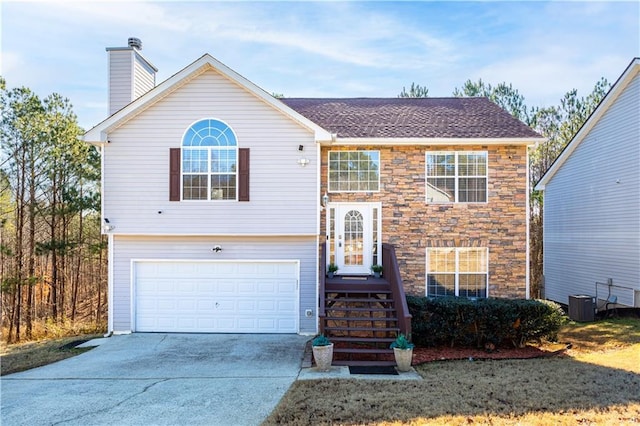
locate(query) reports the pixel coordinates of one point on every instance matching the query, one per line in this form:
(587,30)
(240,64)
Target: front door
(355,239)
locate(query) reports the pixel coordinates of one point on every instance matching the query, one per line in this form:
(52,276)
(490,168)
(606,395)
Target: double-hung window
(354,171)
(457,271)
(209,162)
(456,177)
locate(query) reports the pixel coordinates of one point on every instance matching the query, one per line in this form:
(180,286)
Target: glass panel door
(352,238)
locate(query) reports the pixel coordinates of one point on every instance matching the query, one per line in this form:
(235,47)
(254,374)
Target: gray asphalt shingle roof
(411,117)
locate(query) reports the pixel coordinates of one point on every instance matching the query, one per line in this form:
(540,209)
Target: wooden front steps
(360,319)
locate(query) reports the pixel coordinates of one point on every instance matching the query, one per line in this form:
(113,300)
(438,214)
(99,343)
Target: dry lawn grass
(599,383)
(24,356)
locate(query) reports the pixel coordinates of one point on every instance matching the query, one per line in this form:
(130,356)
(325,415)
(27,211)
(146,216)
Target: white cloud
(11,62)
(325,48)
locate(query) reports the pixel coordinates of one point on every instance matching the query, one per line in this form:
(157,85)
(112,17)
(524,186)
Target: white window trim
(338,191)
(208,173)
(456,177)
(456,274)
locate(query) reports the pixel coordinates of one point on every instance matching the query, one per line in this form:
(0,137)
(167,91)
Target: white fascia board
(437,141)
(601,109)
(99,132)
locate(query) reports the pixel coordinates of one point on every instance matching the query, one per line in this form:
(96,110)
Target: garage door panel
(206,323)
(246,305)
(193,296)
(285,305)
(287,286)
(266,306)
(206,305)
(243,287)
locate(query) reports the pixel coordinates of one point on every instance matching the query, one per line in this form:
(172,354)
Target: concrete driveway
(158,379)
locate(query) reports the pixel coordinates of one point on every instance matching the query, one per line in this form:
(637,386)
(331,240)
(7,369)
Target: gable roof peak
(616,89)
(99,132)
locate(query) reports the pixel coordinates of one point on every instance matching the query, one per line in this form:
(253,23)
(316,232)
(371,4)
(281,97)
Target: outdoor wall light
(303,161)
(325,200)
(107,227)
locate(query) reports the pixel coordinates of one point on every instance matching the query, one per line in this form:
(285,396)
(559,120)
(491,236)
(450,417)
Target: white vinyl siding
(136,167)
(130,77)
(126,249)
(144,77)
(119,79)
(592,208)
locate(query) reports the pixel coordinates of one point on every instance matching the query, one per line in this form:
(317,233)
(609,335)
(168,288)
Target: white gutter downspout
(110,285)
(318,232)
(528,251)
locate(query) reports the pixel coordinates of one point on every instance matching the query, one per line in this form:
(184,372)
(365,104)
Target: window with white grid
(457,271)
(209,161)
(456,177)
(354,171)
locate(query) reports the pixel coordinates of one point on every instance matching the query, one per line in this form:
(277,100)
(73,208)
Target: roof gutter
(436,141)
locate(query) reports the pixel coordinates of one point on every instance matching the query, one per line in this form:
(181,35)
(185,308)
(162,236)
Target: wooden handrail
(392,274)
(322,284)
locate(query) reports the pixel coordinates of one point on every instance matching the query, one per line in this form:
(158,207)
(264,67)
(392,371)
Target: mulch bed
(444,353)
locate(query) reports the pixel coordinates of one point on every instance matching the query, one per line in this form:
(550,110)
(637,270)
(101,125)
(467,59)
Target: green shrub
(465,322)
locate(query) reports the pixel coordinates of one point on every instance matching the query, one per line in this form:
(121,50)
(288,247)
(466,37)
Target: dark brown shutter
(174,174)
(243,174)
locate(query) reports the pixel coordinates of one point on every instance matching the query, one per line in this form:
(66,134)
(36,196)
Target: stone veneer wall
(411,225)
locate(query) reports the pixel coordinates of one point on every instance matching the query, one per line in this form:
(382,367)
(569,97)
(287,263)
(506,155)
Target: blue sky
(327,49)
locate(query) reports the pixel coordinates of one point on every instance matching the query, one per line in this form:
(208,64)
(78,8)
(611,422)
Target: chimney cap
(135,43)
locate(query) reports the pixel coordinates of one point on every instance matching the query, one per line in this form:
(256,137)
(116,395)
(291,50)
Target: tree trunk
(76,281)
(31,269)
(54,257)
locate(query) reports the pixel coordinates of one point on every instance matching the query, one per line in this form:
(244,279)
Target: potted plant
(322,352)
(377,270)
(332,269)
(403,352)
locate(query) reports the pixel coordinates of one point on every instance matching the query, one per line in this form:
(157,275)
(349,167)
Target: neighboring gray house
(592,203)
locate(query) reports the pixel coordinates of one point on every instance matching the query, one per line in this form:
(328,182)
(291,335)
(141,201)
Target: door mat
(373,369)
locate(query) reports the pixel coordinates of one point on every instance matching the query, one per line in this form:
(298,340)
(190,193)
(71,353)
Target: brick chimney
(130,74)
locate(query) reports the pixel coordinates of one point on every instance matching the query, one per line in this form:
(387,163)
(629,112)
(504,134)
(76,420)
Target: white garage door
(220,296)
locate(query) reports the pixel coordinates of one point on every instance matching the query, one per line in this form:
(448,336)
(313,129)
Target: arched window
(209,162)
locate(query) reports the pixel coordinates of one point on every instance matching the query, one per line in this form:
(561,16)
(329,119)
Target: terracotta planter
(403,358)
(323,356)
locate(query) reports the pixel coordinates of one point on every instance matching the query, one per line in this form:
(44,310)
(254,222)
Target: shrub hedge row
(482,322)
